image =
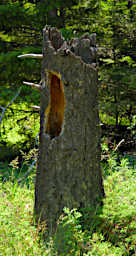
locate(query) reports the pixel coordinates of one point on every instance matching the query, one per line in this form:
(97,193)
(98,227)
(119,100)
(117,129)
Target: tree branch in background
(31,55)
(36,107)
(34,86)
(119,144)
(10,103)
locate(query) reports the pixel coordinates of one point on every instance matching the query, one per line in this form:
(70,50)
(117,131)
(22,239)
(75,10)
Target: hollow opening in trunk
(55,110)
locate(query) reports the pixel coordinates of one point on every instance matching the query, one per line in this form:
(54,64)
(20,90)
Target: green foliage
(21,169)
(114,22)
(20,125)
(14,14)
(21,69)
(117,39)
(119,210)
(23,127)
(111,232)
(18,235)
(69,236)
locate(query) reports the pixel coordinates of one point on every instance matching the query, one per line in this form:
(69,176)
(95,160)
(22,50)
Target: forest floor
(111,232)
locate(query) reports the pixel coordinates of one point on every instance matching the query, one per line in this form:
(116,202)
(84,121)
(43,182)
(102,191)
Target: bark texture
(68,172)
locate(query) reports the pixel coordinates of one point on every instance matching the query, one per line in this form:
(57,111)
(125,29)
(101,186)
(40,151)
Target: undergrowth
(112,230)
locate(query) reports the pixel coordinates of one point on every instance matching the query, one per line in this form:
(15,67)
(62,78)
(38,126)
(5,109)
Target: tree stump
(68,172)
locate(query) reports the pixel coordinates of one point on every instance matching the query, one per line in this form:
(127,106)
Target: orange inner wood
(55,110)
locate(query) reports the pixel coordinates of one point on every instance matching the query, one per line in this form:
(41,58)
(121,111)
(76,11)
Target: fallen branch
(35,86)
(4,109)
(31,55)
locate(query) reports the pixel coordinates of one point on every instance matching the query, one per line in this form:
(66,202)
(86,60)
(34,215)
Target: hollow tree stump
(68,172)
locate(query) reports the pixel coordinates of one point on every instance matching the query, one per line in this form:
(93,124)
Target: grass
(18,236)
(111,232)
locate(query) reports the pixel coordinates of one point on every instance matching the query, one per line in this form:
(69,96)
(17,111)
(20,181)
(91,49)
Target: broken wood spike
(31,55)
(34,86)
(35,107)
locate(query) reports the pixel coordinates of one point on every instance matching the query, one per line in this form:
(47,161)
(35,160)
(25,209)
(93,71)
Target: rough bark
(68,172)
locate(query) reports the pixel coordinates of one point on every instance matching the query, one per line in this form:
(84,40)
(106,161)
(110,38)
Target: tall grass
(111,232)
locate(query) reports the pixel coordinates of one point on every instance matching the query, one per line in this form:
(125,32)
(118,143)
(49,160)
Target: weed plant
(112,230)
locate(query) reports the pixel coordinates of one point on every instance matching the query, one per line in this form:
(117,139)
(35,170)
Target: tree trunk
(68,172)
